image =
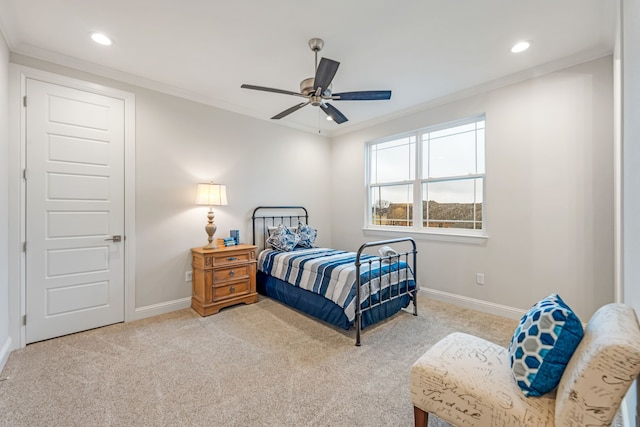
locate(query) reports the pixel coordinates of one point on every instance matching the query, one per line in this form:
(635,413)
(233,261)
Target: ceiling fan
(317,89)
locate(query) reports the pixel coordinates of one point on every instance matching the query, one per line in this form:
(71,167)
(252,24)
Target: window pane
(453,204)
(480,148)
(393,161)
(454,130)
(451,155)
(392,205)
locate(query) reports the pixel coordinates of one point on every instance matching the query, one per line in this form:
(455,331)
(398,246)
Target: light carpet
(262,364)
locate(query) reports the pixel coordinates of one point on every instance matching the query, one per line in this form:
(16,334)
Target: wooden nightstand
(223,277)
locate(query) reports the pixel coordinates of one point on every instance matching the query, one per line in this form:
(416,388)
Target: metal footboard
(396,286)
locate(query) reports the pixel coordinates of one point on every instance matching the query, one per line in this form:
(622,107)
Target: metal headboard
(266,216)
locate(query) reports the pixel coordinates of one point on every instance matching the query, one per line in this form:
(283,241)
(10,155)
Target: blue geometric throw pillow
(307,235)
(283,239)
(542,345)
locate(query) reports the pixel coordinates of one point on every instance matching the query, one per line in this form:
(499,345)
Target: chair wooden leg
(420,417)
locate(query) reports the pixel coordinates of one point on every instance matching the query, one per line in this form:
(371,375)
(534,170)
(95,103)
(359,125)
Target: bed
(321,282)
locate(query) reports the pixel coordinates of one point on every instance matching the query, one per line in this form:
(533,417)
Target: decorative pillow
(272,228)
(542,345)
(388,251)
(283,239)
(307,235)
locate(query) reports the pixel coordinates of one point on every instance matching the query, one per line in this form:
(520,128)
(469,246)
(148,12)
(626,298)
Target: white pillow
(387,251)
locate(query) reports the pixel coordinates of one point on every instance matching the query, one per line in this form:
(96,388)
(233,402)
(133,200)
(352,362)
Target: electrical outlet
(480,278)
(188,276)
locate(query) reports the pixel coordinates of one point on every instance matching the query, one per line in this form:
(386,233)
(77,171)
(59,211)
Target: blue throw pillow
(307,235)
(542,345)
(283,239)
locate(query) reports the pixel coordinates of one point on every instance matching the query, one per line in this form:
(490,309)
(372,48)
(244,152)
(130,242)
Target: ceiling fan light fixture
(521,46)
(101,39)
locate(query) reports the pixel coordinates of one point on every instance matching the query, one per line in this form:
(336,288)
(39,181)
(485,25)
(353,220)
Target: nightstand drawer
(236,272)
(231,290)
(220,260)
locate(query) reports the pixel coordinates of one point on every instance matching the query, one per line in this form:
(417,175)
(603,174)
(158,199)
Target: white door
(74,206)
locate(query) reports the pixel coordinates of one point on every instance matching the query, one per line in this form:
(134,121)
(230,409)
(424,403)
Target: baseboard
(4,353)
(475,304)
(162,308)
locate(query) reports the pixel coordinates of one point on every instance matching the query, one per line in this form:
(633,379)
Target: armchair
(467,381)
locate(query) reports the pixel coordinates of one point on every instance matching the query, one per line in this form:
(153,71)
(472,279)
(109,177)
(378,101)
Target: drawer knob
(232,273)
(232,289)
(233,258)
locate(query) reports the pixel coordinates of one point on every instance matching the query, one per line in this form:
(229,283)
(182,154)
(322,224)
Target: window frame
(417,229)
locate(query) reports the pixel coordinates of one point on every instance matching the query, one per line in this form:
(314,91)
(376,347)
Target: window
(429,179)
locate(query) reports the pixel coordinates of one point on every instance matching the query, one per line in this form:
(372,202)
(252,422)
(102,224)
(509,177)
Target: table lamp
(210,194)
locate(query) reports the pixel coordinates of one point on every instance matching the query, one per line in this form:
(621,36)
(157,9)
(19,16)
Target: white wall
(180,143)
(549,193)
(631,153)
(5,341)
(630,171)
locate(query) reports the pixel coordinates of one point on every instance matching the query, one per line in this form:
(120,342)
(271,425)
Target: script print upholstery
(601,370)
(467,381)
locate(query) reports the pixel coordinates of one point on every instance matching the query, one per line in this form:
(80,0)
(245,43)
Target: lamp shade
(211,194)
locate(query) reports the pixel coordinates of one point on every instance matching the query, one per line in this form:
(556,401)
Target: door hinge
(24,246)
(24,174)
(24,101)
(24,320)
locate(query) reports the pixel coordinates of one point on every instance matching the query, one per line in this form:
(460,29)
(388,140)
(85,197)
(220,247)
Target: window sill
(449,236)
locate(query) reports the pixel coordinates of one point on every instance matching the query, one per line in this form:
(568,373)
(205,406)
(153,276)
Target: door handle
(115,238)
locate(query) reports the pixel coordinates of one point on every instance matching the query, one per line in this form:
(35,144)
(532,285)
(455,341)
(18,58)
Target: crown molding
(528,74)
(120,76)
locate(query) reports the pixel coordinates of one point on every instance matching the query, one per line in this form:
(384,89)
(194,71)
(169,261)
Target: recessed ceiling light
(101,39)
(520,47)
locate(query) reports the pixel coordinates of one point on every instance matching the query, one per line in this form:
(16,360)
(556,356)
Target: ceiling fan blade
(367,95)
(289,111)
(270,89)
(324,74)
(334,113)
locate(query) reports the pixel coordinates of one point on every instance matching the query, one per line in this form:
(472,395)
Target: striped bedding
(332,274)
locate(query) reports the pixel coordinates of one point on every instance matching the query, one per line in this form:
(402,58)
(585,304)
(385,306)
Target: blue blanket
(332,274)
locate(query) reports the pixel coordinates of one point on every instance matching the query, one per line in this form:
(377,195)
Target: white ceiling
(204,50)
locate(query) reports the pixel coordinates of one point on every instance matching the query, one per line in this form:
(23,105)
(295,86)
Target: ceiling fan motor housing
(307,87)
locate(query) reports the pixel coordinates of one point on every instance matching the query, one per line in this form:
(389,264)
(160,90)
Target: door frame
(18,75)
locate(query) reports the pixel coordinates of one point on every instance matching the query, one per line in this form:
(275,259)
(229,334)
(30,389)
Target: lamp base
(211,230)
(210,246)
